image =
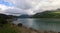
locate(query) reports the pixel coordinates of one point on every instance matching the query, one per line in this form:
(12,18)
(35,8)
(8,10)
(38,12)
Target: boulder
(20,24)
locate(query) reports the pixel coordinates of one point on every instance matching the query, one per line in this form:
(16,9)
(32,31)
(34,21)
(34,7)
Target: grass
(8,29)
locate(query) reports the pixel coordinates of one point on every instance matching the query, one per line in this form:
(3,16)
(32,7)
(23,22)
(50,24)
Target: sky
(30,7)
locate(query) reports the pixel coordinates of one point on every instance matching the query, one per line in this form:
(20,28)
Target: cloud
(17,11)
(3,7)
(33,6)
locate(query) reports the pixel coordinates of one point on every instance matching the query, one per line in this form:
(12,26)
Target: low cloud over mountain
(29,6)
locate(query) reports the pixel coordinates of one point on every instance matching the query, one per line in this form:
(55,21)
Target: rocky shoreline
(24,29)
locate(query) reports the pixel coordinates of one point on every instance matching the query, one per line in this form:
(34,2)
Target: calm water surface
(40,24)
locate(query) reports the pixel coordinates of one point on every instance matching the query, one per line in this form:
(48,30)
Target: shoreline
(24,29)
(21,29)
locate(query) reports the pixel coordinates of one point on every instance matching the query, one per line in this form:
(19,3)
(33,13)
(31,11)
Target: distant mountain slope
(48,14)
(23,16)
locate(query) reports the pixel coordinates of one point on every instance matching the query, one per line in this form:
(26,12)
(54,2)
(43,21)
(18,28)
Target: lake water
(40,24)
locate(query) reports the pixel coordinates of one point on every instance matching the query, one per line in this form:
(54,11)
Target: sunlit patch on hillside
(57,12)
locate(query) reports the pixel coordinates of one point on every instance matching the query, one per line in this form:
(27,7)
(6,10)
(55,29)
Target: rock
(20,24)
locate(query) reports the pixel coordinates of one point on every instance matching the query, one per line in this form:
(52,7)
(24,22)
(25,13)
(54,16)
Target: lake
(40,23)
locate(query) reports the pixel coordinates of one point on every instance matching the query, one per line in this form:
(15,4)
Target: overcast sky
(27,6)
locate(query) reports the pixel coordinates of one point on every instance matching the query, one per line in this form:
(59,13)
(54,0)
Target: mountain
(48,14)
(5,16)
(23,16)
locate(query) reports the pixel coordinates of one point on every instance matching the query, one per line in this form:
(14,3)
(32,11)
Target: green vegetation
(48,14)
(8,29)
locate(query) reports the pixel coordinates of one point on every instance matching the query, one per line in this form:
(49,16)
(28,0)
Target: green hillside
(48,14)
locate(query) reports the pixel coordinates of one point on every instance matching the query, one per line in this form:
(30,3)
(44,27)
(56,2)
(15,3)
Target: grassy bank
(7,28)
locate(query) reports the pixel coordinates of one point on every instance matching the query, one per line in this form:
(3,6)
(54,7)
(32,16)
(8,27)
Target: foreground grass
(8,29)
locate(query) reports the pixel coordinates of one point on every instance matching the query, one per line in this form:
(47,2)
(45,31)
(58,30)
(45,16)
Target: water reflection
(41,24)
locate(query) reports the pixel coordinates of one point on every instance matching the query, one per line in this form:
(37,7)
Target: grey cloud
(22,4)
(34,6)
(17,11)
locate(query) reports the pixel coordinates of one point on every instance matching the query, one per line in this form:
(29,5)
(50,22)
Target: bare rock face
(20,24)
